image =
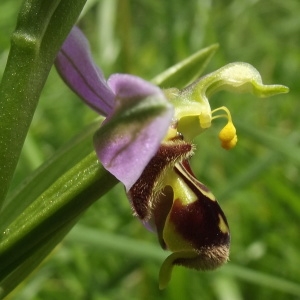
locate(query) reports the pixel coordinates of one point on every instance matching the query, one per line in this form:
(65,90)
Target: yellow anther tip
(229,144)
(227,133)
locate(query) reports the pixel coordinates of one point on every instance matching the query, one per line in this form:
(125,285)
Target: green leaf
(41,29)
(263,279)
(40,180)
(144,250)
(186,71)
(37,256)
(34,233)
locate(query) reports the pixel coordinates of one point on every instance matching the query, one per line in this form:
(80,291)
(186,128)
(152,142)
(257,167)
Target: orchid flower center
(227,135)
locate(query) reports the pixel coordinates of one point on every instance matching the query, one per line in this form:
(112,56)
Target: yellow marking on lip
(207,193)
(222,225)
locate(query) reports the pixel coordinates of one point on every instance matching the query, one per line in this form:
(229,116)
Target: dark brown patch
(198,222)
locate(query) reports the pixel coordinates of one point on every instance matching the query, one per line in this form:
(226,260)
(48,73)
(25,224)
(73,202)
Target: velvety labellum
(202,224)
(181,209)
(204,214)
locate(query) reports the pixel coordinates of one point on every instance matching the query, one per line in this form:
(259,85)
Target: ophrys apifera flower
(146,143)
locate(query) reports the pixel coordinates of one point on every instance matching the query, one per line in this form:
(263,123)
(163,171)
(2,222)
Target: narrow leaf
(186,71)
(40,180)
(52,212)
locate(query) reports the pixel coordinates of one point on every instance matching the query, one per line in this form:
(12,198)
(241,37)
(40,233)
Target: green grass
(109,255)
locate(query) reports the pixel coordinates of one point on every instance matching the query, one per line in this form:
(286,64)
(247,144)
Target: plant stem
(41,29)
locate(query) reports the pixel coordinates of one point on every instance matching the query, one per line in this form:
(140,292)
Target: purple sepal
(127,86)
(76,66)
(132,134)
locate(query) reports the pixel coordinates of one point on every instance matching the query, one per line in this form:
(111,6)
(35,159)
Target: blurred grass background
(109,255)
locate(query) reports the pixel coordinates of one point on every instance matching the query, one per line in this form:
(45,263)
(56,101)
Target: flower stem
(41,28)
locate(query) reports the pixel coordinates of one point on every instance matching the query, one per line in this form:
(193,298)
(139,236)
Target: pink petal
(131,136)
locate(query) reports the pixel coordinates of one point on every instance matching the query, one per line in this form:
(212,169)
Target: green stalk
(41,29)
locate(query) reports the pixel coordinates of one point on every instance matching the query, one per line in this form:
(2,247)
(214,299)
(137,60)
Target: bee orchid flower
(146,143)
